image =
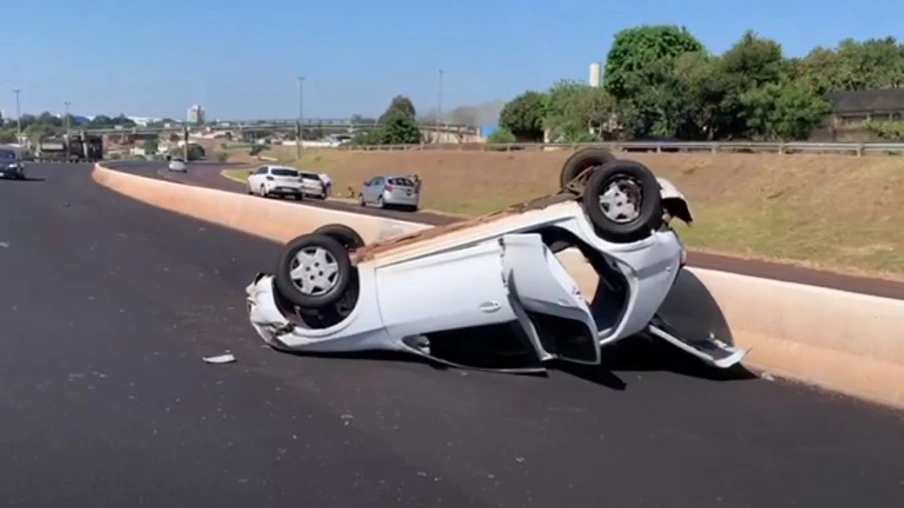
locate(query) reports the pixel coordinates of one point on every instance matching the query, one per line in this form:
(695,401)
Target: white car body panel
(272,183)
(493,270)
(176,165)
(473,292)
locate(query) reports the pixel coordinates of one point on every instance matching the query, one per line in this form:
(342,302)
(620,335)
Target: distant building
(596,75)
(195,114)
(862,105)
(851,109)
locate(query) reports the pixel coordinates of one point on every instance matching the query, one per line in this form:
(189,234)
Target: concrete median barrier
(842,341)
(267,218)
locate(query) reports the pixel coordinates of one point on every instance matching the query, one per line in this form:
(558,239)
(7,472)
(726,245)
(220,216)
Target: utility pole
(66,139)
(439,105)
(18,116)
(300,133)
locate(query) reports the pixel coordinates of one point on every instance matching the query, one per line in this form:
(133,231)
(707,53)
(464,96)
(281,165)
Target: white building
(596,74)
(195,114)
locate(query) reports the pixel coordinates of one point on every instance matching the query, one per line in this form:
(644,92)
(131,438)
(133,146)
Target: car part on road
(314,271)
(623,200)
(220,359)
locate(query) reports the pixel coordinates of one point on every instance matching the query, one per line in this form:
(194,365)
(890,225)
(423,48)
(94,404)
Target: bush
(257,149)
(501,136)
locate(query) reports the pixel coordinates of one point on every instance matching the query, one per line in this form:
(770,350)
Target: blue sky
(240,59)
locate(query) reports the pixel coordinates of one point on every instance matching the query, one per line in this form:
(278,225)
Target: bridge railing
(857,149)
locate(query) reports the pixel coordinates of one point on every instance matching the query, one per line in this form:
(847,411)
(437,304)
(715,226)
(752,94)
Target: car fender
(674,201)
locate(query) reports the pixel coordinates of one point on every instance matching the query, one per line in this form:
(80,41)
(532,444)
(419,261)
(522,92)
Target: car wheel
(348,237)
(623,201)
(380,203)
(314,271)
(263,192)
(361,200)
(583,160)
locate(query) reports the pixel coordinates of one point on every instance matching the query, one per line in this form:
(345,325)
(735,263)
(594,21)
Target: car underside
(543,315)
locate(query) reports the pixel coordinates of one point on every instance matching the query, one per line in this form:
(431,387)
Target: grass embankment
(829,211)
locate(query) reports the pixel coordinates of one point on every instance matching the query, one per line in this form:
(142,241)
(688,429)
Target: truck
(71,148)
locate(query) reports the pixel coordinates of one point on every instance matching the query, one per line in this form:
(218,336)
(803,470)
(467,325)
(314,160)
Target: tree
(786,111)
(523,116)
(150,145)
(399,129)
(400,105)
(576,112)
(750,63)
(635,50)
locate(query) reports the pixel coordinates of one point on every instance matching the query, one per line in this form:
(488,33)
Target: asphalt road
(107,306)
(208,175)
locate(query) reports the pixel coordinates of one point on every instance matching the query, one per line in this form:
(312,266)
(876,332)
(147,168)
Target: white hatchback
(176,165)
(465,286)
(282,181)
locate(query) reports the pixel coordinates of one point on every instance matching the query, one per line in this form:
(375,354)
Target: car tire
(380,203)
(583,160)
(348,237)
(634,178)
(263,192)
(361,200)
(333,252)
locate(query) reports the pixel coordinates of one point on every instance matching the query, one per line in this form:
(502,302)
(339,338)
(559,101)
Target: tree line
(47,124)
(661,82)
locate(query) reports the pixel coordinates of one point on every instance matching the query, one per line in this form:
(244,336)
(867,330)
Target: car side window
(377,181)
(261,170)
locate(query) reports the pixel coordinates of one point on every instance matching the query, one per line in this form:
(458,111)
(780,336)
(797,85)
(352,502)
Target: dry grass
(837,212)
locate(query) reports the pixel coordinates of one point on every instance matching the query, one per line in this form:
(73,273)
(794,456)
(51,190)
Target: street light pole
(18,116)
(439,104)
(66,118)
(300,133)
(66,138)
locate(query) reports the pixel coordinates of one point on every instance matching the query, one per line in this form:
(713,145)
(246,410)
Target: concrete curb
(847,342)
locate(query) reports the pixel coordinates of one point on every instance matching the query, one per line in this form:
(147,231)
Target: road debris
(219,360)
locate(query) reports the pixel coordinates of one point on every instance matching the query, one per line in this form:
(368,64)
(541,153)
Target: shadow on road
(28,179)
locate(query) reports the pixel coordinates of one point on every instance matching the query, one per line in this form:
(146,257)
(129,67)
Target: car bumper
(282,189)
(391,199)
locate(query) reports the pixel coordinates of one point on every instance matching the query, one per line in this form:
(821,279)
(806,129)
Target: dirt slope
(831,211)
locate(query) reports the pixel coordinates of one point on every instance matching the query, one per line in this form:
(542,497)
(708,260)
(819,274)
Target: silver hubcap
(620,201)
(314,271)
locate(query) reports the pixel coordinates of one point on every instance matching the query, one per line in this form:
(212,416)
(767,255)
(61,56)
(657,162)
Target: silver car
(11,165)
(312,185)
(383,191)
(176,164)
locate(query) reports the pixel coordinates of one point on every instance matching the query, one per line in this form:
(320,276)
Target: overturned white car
(493,285)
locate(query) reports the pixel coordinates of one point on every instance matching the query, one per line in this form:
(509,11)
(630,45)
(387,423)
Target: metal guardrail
(271,126)
(857,149)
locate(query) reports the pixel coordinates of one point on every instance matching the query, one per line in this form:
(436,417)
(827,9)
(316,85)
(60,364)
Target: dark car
(11,165)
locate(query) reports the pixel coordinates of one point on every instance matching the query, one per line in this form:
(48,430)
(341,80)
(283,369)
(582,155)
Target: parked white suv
(282,181)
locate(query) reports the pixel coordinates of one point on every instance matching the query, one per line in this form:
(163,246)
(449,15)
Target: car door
(373,189)
(255,180)
(547,301)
